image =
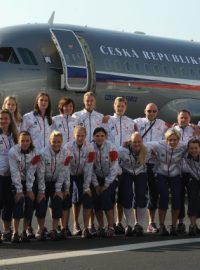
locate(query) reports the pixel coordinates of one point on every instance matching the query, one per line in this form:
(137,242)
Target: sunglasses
(150,111)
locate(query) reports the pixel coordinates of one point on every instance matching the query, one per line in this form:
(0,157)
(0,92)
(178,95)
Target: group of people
(115,167)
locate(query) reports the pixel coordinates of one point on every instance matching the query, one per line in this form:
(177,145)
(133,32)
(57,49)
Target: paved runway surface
(151,252)
(148,252)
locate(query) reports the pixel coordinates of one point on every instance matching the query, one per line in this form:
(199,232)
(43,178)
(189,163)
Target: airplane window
(137,67)
(127,66)
(174,70)
(117,65)
(156,69)
(8,55)
(165,69)
(108,64)
(147,68)
(192,72)
(27,56)
(183,71)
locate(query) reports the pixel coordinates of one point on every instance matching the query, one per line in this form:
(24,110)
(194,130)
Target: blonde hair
(172,131)
(17,115)
(143,151)
(89,94)
(77,128)
(55,133)
(120,99)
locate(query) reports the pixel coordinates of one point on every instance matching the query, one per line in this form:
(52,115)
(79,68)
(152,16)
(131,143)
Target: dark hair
(48,110)
(100,129)
(193,141)
(12,129)
(26,133)
(184,111)
(65,101)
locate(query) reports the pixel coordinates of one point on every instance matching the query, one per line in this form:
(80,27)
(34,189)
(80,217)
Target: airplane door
(76,69)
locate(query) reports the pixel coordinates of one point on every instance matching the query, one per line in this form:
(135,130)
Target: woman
(191,166)
(104,180)
(169,154)
(53,175)
(81,165)
(64,122)
(23,162)
(132,159)
(38,122)
(8,137)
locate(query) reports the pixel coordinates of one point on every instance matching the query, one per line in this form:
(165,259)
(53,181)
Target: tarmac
(120,252)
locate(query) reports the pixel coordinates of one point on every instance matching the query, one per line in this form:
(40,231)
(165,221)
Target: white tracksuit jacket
(187,133)
(54,167)
(120,129)
(191,166)
(23,167)
(156,133)
(38,128)
(106,163)
(6,142)
(168,159)
(89,120)
(65,124)
(81,162)
(128,161)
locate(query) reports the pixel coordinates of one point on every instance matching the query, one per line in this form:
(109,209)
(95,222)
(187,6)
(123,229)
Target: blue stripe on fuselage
(80,72)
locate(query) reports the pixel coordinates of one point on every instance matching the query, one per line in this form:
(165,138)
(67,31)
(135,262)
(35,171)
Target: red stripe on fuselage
(157,85)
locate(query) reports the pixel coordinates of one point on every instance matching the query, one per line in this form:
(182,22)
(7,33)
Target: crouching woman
(191,166)
(23,161)
(104,182)
(53,174)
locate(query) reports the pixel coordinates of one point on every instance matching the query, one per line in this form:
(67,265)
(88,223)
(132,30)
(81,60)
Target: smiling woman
(169,154)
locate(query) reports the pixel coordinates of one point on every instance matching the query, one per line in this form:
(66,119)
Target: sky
(166,18)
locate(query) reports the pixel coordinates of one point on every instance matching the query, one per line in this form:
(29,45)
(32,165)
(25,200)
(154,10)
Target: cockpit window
(8,55)
(27,56)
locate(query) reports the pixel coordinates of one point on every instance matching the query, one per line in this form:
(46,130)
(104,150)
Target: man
(151,129)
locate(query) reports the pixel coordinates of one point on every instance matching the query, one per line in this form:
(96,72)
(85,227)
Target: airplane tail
(51,19)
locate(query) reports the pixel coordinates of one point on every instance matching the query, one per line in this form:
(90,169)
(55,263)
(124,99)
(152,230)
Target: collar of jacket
(190,157)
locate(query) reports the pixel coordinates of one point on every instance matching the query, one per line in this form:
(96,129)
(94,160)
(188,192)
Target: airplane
(69,60)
